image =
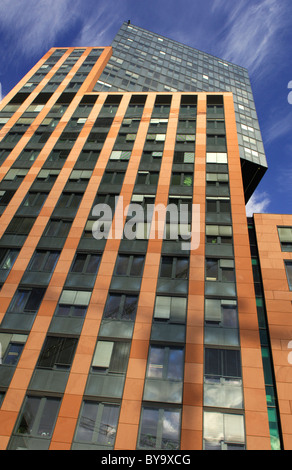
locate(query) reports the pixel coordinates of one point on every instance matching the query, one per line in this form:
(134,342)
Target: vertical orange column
(17,389)
(191,436)
(68,415)
(133,392)
(256,416)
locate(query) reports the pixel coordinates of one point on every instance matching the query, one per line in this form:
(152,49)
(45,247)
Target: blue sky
(256,34)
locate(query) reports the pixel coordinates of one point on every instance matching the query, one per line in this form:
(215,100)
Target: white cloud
(34,25)
(278,125)
(258,203)
(252,32)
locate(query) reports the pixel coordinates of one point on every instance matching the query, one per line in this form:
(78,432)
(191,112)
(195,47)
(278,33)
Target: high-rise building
(140,309)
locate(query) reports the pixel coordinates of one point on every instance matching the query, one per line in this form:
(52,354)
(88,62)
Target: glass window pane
(51,262)
(155,362)
(148,432)
(166,267)
(28,415)
(79,262)
(108,425)
(170,430)
(182,265)
(122,265)
(211,269)
(87,421)
(112,306)
(137,266)
(63,310)
(48,417)
(93,264)
(175,366)
(130,306)
(12,354)
(228,275)
(37,261)
(19,301)
(213,362)
(35,298)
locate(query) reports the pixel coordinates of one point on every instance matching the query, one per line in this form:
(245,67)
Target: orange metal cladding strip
(278,299)
(96,71)
(31,96)
(26,78)
(39,118)
(26,252)
(44,153)
(16,392)
(72,399)
(191,434)
(47,108)
(256,416)
(127,431)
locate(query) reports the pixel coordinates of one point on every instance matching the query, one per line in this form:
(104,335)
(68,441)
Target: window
(120,155)
(159,428)
(57,353)
(219,312)
(285,236)
(38,416)
(220,270)
(98,423)
(222,363)
(73,304)
(5,197)
(120,307)
(34,200)
(27,300)
(80,176)
(129,265)
(58,156)
(111,357)
(48,176)
(215,124)
(113,177)
(165,363)
(85,263)
(183,157)
(57,228)
(69,200)
(185,138)
(288,266)
(155,138)
(223,431)
(75,297)
(15,175)
(181,202)
(147,177)
(171,309)
(219,234)
(174,268)
(20,225)
(11,347)
(88,156)
(7,258)
(218,205)
(217,179)
(44,261)
(215,157)
(181,179)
